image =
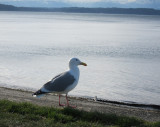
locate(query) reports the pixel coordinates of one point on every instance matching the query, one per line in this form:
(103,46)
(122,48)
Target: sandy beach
(82,104)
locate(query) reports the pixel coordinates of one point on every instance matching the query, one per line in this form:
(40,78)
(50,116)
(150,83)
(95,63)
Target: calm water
(122,53)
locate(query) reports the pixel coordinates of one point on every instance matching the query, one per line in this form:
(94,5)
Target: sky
(85,3)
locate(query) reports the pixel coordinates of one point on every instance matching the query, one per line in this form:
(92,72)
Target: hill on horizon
(139,11)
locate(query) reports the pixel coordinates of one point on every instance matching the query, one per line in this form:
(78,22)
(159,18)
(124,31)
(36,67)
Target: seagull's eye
(76,60)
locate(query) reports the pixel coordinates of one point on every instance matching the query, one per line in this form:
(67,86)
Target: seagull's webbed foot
(59,101)
(62,104)
(72,106)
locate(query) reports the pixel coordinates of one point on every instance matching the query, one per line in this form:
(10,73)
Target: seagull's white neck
(74,70)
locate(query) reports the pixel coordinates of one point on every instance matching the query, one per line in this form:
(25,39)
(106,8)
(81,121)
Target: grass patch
(14,114)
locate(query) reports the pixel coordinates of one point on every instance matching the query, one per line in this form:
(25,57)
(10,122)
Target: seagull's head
(75,62)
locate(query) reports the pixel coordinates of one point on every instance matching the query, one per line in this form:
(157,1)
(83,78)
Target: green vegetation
(14,114)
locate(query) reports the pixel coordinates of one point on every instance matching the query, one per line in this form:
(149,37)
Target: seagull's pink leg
(72,106)
(60,101)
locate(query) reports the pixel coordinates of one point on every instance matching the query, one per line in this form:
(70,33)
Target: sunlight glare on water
(122,53)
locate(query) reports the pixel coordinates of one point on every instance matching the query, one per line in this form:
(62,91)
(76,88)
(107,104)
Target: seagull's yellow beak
(84,64)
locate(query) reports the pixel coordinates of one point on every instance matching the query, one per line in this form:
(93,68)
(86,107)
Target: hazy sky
(86,3)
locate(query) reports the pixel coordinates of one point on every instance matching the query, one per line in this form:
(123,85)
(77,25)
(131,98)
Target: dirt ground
(82,104)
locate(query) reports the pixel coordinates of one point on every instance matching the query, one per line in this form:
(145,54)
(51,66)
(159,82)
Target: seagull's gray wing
(59,83)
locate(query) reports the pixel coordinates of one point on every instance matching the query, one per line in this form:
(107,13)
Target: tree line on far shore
(139,11)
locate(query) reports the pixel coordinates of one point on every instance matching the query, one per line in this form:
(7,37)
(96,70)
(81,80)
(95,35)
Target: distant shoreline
(137,11)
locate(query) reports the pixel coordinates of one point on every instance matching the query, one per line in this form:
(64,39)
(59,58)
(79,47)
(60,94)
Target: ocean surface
(122,53)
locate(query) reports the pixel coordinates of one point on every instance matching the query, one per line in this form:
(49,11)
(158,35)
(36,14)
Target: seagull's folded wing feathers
(59,83)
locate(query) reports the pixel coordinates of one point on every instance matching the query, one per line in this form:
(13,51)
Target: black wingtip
(39,92)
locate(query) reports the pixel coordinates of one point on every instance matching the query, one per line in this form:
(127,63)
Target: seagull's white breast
(74,72)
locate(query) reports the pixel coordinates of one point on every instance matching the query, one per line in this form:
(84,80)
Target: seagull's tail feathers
(39,93)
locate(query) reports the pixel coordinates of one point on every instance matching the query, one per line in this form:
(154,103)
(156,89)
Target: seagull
(62,83)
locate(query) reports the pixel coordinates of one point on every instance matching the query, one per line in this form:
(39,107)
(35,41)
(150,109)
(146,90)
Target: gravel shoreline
(147,114)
